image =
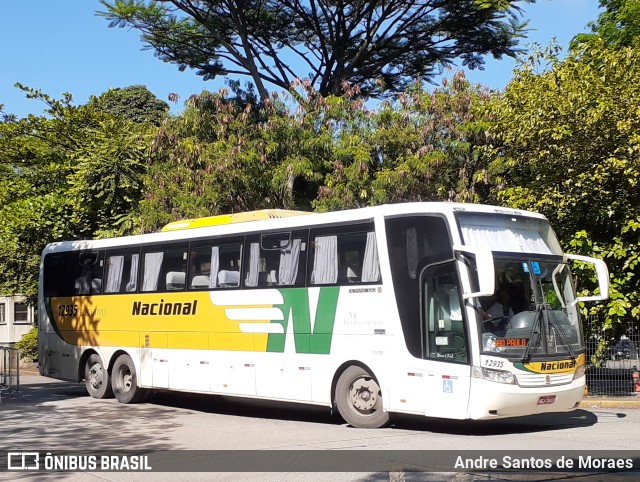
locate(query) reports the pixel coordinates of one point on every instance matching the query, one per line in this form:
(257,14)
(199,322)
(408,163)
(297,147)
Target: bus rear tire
(96,378)
(124,381)
(359,399)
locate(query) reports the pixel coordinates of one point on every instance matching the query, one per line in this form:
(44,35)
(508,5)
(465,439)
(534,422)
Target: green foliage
(4,116)
(135,103)
(381,46)
(228,154)
(71,174)
(28,345)
(421,148)
(567,145)
(617,26)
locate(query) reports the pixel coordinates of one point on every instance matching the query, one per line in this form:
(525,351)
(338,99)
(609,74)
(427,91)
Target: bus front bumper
(489,400)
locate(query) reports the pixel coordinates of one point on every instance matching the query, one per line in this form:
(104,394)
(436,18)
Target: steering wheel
(497,322)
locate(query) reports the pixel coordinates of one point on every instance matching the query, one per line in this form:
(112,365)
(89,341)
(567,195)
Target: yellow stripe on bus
(107,320)
(232,218)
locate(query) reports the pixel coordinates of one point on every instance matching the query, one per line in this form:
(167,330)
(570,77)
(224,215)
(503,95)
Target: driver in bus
(499,313)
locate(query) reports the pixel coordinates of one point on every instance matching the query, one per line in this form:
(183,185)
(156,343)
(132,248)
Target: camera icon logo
(23,460)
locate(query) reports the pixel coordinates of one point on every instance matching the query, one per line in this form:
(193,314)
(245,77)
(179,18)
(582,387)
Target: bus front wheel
(124,380)
(96,378)
(359,399)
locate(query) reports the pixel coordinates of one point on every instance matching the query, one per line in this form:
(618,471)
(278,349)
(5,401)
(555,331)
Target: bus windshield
(533,311)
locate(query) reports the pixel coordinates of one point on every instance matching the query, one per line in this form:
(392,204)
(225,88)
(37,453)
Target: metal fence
(9,373)
(613,361)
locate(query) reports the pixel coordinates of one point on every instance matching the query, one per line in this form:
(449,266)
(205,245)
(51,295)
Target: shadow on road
(307,413)
(529,424)
(246,407)
(115,425)
(55,416)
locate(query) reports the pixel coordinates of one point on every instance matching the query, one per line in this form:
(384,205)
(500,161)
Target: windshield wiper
(561,334)
(526,357)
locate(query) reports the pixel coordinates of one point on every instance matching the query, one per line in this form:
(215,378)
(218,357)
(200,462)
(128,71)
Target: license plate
(546,400)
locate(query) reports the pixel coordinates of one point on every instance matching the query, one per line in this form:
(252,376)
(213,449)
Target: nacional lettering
(164,309)
(560,365)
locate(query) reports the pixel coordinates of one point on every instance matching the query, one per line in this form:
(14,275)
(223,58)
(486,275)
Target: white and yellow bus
(381,310)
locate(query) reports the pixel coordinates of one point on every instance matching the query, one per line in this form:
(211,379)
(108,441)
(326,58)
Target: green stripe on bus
(296,308)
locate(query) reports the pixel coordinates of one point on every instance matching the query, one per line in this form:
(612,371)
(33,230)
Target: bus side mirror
(601,272)
(485,270)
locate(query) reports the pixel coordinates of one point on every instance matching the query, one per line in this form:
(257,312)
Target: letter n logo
(296,310)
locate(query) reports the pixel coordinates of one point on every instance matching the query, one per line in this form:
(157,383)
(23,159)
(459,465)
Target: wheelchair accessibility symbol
(447,386)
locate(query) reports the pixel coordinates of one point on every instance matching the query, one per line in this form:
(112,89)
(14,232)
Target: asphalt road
(58,416)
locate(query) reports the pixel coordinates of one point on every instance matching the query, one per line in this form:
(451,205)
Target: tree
(74,173)
(5,117)
(135,103)
(618,26)
(423,147)
(381,46)
(227,154)
(566,144)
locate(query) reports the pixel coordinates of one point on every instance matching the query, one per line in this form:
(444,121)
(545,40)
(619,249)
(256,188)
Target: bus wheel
(359,399)
(96,378)
(125,380)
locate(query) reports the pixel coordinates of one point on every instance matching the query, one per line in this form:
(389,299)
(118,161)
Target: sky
(60,46)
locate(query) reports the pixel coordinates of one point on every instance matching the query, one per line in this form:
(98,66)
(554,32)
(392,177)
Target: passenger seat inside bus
(175,280)
(200,281)
(228,279)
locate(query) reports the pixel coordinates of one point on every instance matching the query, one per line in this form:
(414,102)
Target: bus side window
(215,265)
(121,274)
(60,272)
(164,269)
(344,258)
(88,271)
(275,259)
(445,334)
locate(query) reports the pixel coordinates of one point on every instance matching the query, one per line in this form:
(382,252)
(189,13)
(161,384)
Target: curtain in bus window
(114,274)
(499,238)
(288,269)
(371,264)
(215,266)
(132,285)
(254,264)
(325,260)
(152,265)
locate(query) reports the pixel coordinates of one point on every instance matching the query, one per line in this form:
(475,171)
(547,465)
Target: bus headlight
(580,371)
(498,376)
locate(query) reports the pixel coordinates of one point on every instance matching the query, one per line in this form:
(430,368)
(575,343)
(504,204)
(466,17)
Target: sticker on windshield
(525,267)
(536,267)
